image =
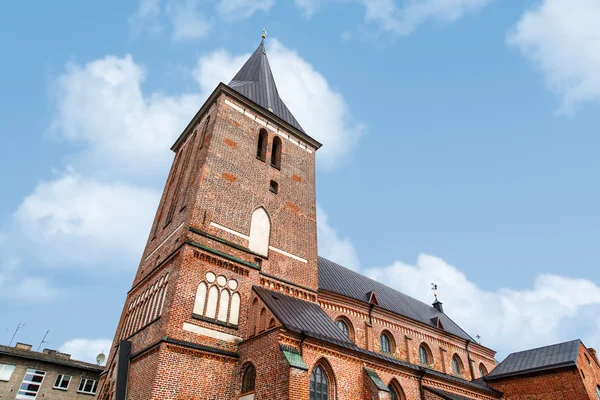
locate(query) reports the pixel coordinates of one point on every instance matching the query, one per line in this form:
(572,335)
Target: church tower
(238,211)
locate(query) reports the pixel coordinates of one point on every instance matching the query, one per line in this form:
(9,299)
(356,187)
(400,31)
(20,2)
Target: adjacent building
(48,375)
(232,301)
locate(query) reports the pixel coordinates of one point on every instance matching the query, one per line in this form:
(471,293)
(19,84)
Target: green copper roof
(376,380)
(293,357)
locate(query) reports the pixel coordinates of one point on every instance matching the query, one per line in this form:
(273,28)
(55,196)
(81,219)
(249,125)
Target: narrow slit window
(261,148)
(274,187)
(276,153)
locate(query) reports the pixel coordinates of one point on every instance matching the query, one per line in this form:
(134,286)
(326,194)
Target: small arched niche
(260,230)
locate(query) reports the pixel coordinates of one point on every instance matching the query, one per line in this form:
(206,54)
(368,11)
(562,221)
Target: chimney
(50,352)
(438,305)
(593,353)
(23,346)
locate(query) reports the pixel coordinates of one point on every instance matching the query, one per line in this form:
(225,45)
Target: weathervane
(478,338)
(434,287)
(264,35)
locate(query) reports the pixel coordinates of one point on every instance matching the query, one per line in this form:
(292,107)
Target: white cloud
(101,107)
(184,17)
(17,285)
(562,38)
(321,111)
(404,17)
(309,6)
(507,319)
(188,22)
(86,349)
(237,9)
(331,246)
(77,219)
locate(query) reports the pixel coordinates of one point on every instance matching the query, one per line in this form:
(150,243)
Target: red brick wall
(588,364)
(556,385)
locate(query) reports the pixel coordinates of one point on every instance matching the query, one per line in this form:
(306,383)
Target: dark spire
(255,82)
(438,305)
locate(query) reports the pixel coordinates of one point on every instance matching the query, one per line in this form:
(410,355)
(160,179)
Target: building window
(248,379)
(319,385)
(396,392)
(88,386)
(276,153)
(217,299)
(482,370)
(385,343)
(261,148)
(588,359)
(6,371)
(274,187)
(62,382)
(457,365)
(343,327)
(31,384)
(260,231)
(582,374)
(598,392)
(425,355)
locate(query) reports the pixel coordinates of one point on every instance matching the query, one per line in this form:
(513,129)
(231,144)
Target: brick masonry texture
(202,226)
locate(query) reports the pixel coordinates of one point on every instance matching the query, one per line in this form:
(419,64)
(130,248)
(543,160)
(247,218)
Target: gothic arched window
(217,298)
(385,343)
(425,355)
(319,385)
(261,147)
(248,379)
(457,365)
(482,370)
(260,230)
(396,392)
(343,327)
(276,153)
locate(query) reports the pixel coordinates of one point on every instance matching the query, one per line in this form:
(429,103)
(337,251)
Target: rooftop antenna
(43,340)
(434,287)
(19,327)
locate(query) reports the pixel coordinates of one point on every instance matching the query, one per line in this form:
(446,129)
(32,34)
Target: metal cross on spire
(264,34)
(434,287)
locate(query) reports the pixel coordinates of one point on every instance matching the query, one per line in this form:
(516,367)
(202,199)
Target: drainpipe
(421,375)
(469,359)
(304,337)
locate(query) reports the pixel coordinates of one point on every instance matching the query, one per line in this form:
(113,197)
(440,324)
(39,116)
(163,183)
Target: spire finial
(434,287)
(264,34)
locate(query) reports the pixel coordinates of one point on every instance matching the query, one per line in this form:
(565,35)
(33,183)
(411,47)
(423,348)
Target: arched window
(261,148)
(200,299)
(319,385)
(248,379)
(396,392)
(425,355)
(385,343)
(262,320)
(482,370)
(276,153)
(343,327)
(234,315)
(260,230)
(223,305)
(457,365)
(211,307)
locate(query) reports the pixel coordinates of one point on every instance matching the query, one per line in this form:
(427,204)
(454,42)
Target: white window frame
(62,378)
(30,394)
(83,383)
(3,370)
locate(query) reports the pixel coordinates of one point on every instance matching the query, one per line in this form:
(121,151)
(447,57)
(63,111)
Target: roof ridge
(543,347)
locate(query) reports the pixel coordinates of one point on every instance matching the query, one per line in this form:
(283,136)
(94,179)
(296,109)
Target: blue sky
(460,147)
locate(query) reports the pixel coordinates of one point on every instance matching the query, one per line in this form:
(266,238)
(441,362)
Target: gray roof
(337,279)
(308,318)
(49,358)
(255,82)
(301,316)
(536,360)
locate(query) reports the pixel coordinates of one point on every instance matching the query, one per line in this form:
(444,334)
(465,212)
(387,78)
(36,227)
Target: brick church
(232,301)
